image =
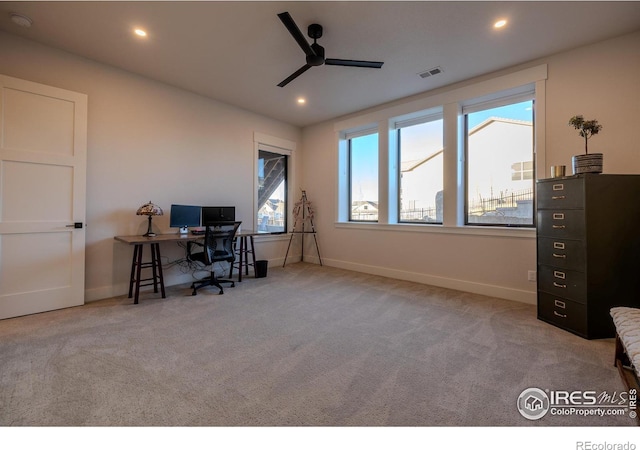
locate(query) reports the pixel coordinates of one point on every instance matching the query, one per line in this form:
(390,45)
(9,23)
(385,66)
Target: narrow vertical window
(363,178)
(272,192)
(500,165)
(421,172)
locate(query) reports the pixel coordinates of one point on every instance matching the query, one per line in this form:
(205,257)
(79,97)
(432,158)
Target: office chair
(218,246)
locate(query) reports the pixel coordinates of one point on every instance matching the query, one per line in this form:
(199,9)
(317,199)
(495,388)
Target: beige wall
(600,81)
(149,141)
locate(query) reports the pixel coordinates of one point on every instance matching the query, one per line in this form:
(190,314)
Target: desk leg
(253,255)
(157,265)
(154,266)
(138,264)
(243,240)
(246,256)
(233,246)
(133,269)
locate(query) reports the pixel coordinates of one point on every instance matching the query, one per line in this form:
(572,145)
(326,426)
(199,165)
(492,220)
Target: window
(272,191)
(420,154)
(522,171)
(499,164)
(363,178)
(461,158)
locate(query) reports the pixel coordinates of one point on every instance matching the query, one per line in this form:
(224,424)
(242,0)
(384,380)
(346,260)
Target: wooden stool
(137,265)
(246,249)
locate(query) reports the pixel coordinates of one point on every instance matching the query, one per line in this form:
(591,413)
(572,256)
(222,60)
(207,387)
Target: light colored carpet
(307,345)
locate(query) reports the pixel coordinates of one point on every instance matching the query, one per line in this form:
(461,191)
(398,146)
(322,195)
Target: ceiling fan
(315,52)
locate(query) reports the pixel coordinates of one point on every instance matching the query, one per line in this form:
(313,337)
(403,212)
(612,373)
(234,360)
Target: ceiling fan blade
(288,22)
(353,63)
(294,75)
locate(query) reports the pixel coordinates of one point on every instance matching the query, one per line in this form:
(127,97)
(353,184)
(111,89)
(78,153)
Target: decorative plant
(587,129)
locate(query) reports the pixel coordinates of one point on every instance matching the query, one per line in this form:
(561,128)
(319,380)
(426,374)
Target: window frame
(450,101)
(398,125)
(496,102)
(286,189)
(284,147)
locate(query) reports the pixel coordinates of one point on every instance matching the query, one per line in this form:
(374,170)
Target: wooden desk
(156,279)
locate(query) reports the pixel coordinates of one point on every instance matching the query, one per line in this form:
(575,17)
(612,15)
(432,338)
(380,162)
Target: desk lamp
(149,209)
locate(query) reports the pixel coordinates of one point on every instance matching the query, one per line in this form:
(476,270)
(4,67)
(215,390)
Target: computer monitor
(212,215)
(184,216)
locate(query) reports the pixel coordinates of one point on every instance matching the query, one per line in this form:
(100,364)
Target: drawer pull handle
(558,197)
(560,304)
(564,316)
(558,274)
(558,216)
(558,285)
(558,187)
(556,255)
(558,245)
(558,227)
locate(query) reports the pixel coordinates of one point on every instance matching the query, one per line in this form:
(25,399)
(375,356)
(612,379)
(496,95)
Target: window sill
(511,232)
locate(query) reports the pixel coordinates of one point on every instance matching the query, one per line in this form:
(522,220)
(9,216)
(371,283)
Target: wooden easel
(302,213)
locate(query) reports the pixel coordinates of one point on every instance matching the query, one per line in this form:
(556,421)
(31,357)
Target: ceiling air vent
(431,72)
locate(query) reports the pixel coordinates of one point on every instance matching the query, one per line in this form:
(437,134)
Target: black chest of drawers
(588,250)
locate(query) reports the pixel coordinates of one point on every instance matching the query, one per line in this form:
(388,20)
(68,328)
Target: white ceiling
(237,52)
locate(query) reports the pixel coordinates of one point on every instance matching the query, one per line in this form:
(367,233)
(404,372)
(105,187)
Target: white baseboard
(275,262)
(517,295)
(95,294)
(116,290)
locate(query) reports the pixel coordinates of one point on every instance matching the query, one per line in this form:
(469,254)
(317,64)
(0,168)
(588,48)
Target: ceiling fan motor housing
(314,31)
(318,59)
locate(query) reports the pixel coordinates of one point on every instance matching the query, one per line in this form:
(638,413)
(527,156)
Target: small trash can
(261,268)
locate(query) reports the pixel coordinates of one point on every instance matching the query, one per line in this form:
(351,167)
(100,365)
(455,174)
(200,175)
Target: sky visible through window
(365,171)
(516,111)
(364,168)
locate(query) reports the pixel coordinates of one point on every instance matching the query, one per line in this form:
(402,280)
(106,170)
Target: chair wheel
(194,292)
(220,293)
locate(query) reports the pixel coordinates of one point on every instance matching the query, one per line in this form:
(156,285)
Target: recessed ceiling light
(302,101)
(140,32)
(500,23)
(21,20)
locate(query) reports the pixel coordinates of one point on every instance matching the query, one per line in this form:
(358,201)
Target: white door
(43,148)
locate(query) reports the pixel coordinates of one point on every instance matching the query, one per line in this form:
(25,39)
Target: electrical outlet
(531,275)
